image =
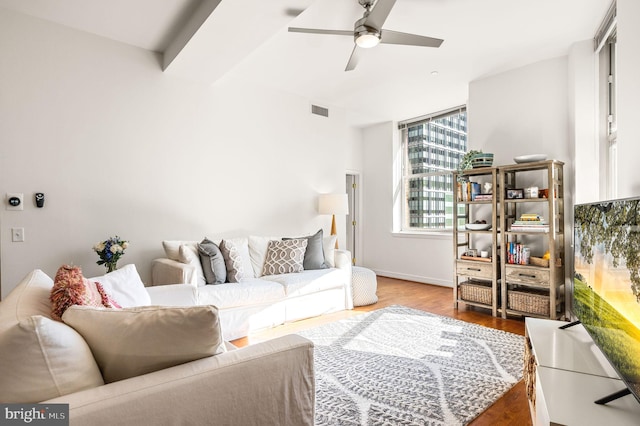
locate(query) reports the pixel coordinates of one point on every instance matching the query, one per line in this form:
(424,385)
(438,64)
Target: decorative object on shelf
(531,192)
(481,160)
(333,204)
(478,226)
(515,194)
(531,158)
(466,164)
(110,251)
(487,188)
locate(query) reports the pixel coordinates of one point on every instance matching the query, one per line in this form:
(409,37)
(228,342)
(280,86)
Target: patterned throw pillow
(235,252)
(71,288)
(285,257)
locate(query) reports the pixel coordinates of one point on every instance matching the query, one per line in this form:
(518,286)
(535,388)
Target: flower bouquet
(110,251)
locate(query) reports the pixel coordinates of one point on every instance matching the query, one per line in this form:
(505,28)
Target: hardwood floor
(511,409)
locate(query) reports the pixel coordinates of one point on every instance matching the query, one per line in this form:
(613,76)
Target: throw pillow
(329,248)
(258,252)
(125,286)
(44,359)
(213,266)
(29,297)
(237,260)
(71,288)
(285,257)
(134,341)
(188,254)
(314,255)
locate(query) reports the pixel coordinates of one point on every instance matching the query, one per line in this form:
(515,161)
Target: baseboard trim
(417,278)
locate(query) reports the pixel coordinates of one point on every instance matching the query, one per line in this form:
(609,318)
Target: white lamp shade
(333,204)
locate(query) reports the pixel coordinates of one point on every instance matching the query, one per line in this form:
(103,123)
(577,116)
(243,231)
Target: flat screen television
(606,289)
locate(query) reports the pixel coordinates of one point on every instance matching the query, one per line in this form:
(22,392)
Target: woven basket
(529,372)
(476,292)
(530,301)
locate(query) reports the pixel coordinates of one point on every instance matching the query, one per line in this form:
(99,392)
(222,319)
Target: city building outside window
(433,146)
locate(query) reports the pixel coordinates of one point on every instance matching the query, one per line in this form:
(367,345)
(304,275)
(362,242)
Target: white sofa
(260,301)
(40,361)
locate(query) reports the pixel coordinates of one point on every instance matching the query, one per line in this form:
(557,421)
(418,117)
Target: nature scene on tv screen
(607,282)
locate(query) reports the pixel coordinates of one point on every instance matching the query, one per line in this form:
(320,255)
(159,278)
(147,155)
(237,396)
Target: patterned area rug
(401,366)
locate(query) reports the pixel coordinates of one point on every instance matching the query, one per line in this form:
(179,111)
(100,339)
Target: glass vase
(110,267)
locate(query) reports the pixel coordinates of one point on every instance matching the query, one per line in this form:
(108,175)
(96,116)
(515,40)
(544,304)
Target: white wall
(405,256)
(118,147)
(628,90)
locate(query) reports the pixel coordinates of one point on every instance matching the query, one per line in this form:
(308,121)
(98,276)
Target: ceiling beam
(220,34)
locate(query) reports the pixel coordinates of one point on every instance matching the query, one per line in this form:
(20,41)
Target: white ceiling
(391,81)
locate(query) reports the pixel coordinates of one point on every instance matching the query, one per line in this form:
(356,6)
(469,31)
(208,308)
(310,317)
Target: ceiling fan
(368,32)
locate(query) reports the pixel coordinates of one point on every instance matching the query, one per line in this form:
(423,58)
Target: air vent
(318,110)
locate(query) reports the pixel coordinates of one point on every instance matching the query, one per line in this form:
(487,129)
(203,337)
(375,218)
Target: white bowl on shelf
(531,158)
(478,226)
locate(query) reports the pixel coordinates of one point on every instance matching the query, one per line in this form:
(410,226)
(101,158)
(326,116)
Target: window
(605,47)
(433,146)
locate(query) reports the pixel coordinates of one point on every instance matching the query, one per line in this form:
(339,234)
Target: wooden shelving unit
(476,279)
(533,289)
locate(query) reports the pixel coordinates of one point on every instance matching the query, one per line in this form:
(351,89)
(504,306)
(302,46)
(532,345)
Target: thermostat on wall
(14,201)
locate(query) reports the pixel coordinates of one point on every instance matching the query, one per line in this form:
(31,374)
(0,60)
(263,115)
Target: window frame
(445,169)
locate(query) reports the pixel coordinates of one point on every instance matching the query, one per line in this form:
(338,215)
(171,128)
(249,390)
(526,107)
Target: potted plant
(465,164)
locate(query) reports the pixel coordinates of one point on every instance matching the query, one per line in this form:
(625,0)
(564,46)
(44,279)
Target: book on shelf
(517,254)
(483,197)
(529,228)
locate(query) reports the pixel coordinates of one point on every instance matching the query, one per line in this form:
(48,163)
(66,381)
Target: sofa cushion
(213,266)
(314,255)
(134,341)
(46,359)
(254,291)
(71,288)
(307,282)
(258,252)
(29,297)
(284,257)
(237,259)
(125,286)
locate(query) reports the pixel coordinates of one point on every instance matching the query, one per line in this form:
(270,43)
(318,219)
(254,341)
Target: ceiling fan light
(368,40)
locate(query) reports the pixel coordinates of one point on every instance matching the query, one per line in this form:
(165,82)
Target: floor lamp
(333,204)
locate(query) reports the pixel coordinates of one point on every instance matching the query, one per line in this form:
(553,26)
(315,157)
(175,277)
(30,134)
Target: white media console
(570,374)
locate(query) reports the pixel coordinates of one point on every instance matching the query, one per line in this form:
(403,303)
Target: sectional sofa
(54,362)
(261,300)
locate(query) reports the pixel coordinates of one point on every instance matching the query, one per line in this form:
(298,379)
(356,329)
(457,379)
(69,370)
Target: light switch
(17,235)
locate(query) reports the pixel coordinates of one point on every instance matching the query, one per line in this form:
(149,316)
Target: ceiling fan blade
(353,60)
(318,31)
(395,37)
(379,14)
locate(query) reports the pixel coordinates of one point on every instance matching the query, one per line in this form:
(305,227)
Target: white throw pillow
(134,341)
(125,286)
(189,255)
(43,359)
(29,297)
(329,249)
(258,252)
(172,248)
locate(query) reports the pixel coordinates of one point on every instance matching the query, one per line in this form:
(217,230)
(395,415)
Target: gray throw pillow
(314,256)
(213,266)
